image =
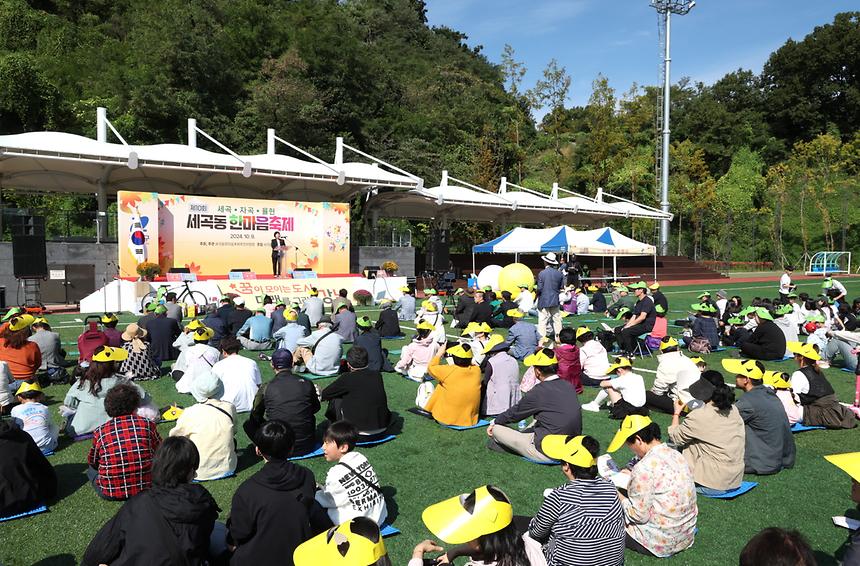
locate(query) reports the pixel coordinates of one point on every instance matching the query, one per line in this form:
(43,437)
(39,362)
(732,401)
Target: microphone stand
(298,249)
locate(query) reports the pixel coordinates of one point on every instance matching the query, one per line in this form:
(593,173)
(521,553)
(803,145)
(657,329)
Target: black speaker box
(29,257)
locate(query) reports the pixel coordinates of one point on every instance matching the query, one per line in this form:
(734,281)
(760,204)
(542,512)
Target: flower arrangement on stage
(148,270)
(390,267)
(362,297)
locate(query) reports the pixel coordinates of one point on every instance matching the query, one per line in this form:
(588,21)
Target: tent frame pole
(614,268)
(655,266)
(473,263)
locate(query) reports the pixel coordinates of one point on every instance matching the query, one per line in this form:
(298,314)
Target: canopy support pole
(614,268)
(655,266)
(101,215)
(473,263)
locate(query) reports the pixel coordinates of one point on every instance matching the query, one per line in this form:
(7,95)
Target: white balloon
(489,276)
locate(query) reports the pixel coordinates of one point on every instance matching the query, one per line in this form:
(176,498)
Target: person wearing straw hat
(457,399)
(850,463)
(29,480)
(642,321)
(481,524)
(592,357)
(22,356)
(501,377)
(34,418)
(581,522)
(195,361)
(369,339)
(416,356)
(767,341)
(287,337)
(356,542)
(388,325)
(405,305)
(523,336)
(769,446)
(660,506)
(138,365)
(625,391)
(549,284)
(820,405)
(210,425)
(712,437)
(675,373)
(553,403)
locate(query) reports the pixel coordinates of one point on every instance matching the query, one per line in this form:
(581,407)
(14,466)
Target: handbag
(700,345)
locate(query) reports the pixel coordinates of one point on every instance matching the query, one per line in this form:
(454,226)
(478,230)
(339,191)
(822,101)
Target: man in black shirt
(483,311)
(237,316)
(641,322)
(359,397)
(225,309)
(658,297)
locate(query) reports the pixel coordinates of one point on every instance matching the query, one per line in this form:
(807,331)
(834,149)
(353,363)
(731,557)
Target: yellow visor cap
(806,350)
(776,379)
(746,368)
(424,325)
(194,324)
(667,343)
(541,359)
(467,517)
(568,449)
(27,386)
(203,334)
(848,463)
(459,351)
(495,340)
(172,413)
(110,354)
(21,321)
(515,313)
(629,427)
(340,546)
(620,362)
(582,330)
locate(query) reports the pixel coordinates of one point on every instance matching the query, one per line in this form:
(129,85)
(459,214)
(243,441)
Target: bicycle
(184,294)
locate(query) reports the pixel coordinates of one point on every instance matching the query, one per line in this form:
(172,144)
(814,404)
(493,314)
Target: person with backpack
(705,331)
(320,353)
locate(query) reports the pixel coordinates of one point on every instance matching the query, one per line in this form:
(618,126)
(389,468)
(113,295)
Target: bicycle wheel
(148,298)
(196,298)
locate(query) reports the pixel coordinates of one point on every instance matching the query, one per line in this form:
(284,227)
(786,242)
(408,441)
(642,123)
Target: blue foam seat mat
(222,477)
(847,370)
(744,487)
(382,440)
(388,531)
(394,352)
(800,427)
(311,377)
(35,511)
(49,453)
(480,424)
(721,349)
(542,463)
(316,453)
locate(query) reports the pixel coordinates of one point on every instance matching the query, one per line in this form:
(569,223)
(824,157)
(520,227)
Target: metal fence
(60,226)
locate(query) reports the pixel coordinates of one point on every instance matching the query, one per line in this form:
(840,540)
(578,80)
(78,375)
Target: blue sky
(619,37)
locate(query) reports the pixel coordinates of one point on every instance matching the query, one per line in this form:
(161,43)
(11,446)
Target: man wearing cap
(850,464)
(240,375)
(549,284)
(237,317)
(314,307)
(388,325)
(287,398)
(320,352)
(675,373)
(640,323)
(464,309)
(769,441)
(658,297)
(174,311)
(405,305)
(199,358)
(277,316)
(522,336)
(580,522)
(148,315)
(834,289)
(767,341)
(553,403)
(625,301)
(163,332)
(288,336)
(256,332)
(344,324)
(369,339)
(216,323)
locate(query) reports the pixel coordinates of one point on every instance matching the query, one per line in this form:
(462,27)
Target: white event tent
(603,242)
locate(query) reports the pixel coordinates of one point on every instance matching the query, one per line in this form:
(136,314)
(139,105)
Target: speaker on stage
(29,256)
(438,255)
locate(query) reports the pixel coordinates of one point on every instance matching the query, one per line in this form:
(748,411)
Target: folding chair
(642,348)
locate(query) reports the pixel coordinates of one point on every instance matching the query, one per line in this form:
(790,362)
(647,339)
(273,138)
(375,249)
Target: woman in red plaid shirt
(121,456)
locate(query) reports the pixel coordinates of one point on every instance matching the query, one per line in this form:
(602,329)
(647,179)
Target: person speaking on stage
(278,250)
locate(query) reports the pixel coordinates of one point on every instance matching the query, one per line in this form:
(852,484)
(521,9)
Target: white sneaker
(591,407)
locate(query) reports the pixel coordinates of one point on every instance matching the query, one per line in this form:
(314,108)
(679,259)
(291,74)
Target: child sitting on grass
(626,391)
(33,417)
(351,487)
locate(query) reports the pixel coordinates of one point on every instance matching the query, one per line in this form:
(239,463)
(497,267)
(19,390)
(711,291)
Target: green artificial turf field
(428,463)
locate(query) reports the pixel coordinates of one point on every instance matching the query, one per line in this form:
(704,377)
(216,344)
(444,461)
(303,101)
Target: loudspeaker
(439,251)
(29,257)
(25,225)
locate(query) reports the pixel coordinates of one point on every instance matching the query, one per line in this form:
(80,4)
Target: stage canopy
(455,199)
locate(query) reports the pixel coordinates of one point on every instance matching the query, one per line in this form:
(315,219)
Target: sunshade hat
(698,360)
(133,331)
(747,311)
(110,354)
(827,283)
(668,342)
(619,362)
(550,258)
(424,325)
(496,344)
(848,462)
(203,334)
(515,313)
(593,288)
(659,309)
(404,289)
(582,330)
(469,516)
(343,545)
(193,325)
(654,286)
(776,379)
(702,389)
(808,351)
(748,368)
(704,294)
(12,312)
(108,317)
(206,385)
(763,313)
(735,320)
(21,321)
(28,386)
(459,351)
(623,289)
(542,358)
(567,449)
(364,322)
(638,285)
(621,312)
(815,317)
(783,310)
(629,427)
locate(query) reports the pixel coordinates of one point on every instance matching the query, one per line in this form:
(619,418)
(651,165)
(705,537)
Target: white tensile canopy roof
(564,239)
(69,163)
(455,199)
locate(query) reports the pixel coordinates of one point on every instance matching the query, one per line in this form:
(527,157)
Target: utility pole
(666,8)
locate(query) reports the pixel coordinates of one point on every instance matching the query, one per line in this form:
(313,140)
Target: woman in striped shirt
(581,522)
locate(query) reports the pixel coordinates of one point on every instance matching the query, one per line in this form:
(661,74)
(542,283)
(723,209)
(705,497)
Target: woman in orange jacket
(457,398)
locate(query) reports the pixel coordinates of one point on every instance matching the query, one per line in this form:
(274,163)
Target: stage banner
(211,235)
(287,290)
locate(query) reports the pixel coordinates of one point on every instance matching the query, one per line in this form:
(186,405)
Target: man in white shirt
(582,302)
(199,358)
(314,307)
(320,352)
(675,373)
(722,302)
(526,301)
(626,391)
(785,286)
(240,376)
(829,285)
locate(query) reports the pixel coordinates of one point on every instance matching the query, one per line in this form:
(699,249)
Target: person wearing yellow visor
(567,540)
(405,305)
(592,357)
(481,526)
(193,361)
(357,542)
(769,443)
(705,328)
(109,323)
(767,341)
(457,398)
(660,505)
(416,356)
(501,376)
(850,464)
(430,313)
(22,356)
(675,373)
(477,334)
(552,404)
(33,417)
(658,297)
(780,382)
(818,398)
(186,339)
(522,336)
(625,391)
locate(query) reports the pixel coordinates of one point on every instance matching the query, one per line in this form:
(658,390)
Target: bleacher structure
(829,263)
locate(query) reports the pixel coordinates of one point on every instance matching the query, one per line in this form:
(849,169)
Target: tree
(605,140)
(552,91)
